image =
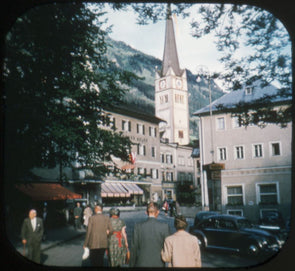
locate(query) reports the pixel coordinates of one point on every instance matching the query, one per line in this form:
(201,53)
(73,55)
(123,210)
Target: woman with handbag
(118,245)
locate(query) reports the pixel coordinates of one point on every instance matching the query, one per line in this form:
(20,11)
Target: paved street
(70,253)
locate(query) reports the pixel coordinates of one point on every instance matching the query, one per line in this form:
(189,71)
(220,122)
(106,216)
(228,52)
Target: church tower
(171,93)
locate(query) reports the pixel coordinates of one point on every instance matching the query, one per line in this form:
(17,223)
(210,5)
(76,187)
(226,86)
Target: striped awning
(119,190)
(114,190)
(133,188)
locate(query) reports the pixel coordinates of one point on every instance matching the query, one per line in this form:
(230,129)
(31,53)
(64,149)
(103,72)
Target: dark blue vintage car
(235,234)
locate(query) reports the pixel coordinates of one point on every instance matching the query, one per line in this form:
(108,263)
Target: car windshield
(244,223)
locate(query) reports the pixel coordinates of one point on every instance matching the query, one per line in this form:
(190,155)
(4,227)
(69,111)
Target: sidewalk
(54,237)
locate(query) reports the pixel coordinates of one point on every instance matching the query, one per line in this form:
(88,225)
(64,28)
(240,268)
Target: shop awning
(132,188)
(114,190)
(47,191)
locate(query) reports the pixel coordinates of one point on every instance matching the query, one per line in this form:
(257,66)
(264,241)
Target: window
(239,152)
(113,121)
(220,123)
(162,157)
(179,98)
(248,90)
(153,131)
(225,224)
(236,122)
(153,150)
(141,149)
(235,195)
(169,159)
(169,176)
(275,149)
(126,125)
(222,154)
(257,151)
(154,173)
(140,129)
(164,99)
(268,193)
(180,134)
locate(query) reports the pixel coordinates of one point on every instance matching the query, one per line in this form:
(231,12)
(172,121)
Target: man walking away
(31,233)
(148,240)
(97,236)
(181,249)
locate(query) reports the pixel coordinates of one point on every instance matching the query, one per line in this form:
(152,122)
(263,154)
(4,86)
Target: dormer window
(249,90)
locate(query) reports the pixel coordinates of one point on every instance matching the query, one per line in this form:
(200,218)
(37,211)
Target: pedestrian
(77,216)
(181,249)
(31,233)
(87,213)
(96,238)
(166,207)
(148,240)
(177,208)
(118,244)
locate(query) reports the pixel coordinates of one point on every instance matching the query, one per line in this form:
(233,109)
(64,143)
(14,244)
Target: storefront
(122,192)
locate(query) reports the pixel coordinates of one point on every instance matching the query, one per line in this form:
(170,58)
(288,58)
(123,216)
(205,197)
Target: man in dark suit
(77,216)
(96,238)
(32,232)
(148,240)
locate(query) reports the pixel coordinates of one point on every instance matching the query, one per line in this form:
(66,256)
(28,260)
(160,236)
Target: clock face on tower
(179,83)
(163,83)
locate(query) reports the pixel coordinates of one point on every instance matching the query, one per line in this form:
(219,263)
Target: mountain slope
(142,93)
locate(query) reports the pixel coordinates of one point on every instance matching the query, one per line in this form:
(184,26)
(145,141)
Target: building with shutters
(255,174)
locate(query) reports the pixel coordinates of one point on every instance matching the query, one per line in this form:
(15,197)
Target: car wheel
(201,242)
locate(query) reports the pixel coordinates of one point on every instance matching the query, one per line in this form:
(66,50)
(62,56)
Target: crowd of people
(152,244)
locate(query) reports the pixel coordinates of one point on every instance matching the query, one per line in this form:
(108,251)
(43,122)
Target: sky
(149,39)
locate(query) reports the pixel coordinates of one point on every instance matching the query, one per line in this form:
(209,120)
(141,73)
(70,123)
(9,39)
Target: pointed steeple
(170,56)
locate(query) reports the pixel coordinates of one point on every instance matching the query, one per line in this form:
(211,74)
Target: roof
(123,110)
(234,98)
(170,56)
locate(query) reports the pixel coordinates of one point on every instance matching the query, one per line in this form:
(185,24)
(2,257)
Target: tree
(268,45)
(57,82)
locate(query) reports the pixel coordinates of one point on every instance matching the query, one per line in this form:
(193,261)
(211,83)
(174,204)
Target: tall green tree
(57,81)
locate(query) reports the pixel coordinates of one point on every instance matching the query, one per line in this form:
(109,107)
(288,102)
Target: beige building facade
(257,161)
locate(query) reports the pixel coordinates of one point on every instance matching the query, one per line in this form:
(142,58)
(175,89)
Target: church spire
(170,56)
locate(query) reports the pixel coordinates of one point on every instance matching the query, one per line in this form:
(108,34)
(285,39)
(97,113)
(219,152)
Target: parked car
(200,216)
(273,222)
(235,234)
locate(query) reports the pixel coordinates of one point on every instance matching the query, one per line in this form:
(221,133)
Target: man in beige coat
(181,249)
(96,238)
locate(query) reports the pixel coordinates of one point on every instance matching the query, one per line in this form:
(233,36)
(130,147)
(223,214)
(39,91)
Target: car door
(210,231)
(228,234)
